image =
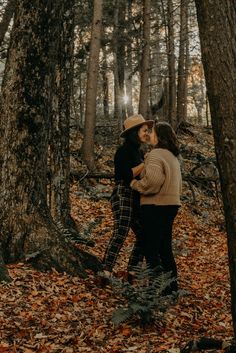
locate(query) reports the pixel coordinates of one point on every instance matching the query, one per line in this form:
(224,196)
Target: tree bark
(60,124)
(217,27)
(6,18)
(182,64)
(91,91)
(27,230)
(129,63)
(156,83)
(145,69)
(119,53)
(171,67)
(105,85)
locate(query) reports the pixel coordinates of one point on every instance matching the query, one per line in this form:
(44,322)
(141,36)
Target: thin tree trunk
(6,19)
(182,72)
(187,69)
(207,111)
(156,90)
(171,66)
(117,92)
(91,91)
(217,27)
(145,69)
(129,65)
(119,53)
(105,84)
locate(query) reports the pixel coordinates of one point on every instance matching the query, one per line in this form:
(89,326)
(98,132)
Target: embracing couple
(146,196)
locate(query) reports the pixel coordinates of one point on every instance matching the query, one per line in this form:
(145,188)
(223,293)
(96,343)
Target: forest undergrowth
(54,312)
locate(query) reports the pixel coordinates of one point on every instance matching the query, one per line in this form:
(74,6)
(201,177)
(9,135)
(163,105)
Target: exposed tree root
(38,241)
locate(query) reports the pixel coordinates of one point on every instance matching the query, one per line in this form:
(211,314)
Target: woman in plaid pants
(125,202)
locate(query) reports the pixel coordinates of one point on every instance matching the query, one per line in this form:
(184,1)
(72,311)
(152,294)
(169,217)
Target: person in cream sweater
(160,188)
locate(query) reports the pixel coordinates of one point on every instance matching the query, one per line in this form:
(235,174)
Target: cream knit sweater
(161,181)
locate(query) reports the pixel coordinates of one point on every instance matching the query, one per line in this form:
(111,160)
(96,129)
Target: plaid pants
(126,213)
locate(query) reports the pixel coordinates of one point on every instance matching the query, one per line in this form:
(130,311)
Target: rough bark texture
(26,226)
(60,126)
(217,26)
(91,91)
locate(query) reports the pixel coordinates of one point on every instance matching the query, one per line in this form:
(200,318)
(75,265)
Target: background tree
(91,91)
(118,46)
(145,69)
(171,65)
(129,61)
(6,18)
(181,113)
(217,27)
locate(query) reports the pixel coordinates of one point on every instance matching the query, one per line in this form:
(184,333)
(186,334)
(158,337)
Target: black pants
(157,224)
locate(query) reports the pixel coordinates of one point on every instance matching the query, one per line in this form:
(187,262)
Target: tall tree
(182,63)
(156,64)
(145,64)
(6,18)
(105,84)
(91,91)
(129,61)
(118,44)
(26,226)
(171,65)
(217,27)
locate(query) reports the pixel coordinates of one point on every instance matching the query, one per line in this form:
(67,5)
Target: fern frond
(121,315)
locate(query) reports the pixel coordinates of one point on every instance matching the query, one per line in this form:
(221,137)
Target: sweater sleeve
(153,177)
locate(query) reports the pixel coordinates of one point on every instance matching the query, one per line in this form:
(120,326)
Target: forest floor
(54,312)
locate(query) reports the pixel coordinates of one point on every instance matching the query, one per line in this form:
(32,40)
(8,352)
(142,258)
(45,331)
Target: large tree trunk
(26,227)
(60,126)
(217,26)
(91,91)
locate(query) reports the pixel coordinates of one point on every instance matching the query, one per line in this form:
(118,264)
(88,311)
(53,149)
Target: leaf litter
(54,312)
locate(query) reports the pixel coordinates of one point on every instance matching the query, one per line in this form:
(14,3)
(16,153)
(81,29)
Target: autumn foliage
(55,312)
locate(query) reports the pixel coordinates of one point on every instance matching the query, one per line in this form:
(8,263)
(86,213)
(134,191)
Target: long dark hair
(166,137)
(132,136)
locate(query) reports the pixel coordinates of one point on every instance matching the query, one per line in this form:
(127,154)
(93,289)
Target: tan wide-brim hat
(134,121)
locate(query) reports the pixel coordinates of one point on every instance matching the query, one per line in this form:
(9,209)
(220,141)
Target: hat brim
(147,122)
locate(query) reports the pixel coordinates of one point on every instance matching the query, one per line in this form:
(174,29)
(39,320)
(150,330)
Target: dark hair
(166,137)
(132,136)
